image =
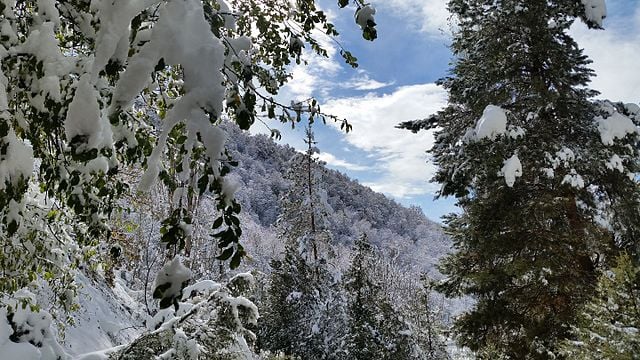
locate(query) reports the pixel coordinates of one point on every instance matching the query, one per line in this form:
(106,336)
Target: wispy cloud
(363,81)
(615,52)
(314,78)
(399,155)
(332,160)
(429,16)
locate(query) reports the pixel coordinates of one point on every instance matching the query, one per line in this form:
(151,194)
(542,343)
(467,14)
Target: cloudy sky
(395,82)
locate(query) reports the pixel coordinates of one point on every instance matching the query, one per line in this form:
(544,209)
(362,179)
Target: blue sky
(395,82)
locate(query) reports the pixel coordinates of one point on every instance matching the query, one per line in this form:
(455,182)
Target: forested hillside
(117,297)
(353,209)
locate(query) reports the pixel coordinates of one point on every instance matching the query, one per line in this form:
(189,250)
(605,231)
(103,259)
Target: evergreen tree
(535,166)
(304,205)
(303,315)
(609,324)
(375,329)
(425,324)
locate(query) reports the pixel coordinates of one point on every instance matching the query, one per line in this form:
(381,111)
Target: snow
(174,273)
(245,277)
(573,179)
(18,161)
(84,118)
(241,301)
(114,18)
(183,346)
(365,15)
(14,213)
(161,317)
(294,295)
(511,170)
(99,355)
(7,31)
(516,132)
(43,44)
(548,172)
(202,287)
(633,108)
(181,36)
(492,123)
(99,164)
(595,10)
(107,314)
(47,9)
(615,163)
(563,157)
(11,350)
(4,102)
(36,340)
(616,126)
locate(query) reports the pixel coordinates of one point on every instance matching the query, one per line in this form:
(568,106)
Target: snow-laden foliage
(26,332)
(212,321)
(304,314)
(92,91)
(407,244)
(608,325)
(315,307)
(423,317)
(492,123)
(350,210)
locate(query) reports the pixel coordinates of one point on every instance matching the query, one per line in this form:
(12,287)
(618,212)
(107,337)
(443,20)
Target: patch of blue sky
(395,82)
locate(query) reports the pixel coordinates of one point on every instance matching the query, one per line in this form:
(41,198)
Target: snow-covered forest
(141,219)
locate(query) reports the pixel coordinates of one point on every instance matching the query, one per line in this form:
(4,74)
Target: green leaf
(166,302)
(160,66)
(235,261)
(218,222)
(159,291)
(226,254)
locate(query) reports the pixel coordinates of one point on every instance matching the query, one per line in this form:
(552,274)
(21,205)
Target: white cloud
(362,81)
(314,77)
(430,16)
(330,159)
(615,52)
(400,154)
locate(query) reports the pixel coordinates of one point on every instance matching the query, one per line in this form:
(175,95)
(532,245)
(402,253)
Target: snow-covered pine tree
(535,165)
(425,323)
(303,313)
(304,205)
(609,324)
(375,329)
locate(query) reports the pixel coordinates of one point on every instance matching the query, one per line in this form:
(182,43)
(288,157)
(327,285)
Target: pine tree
(535,165)
(303,314)
(304,205)
(375,329)
(609,324)
(427,329)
